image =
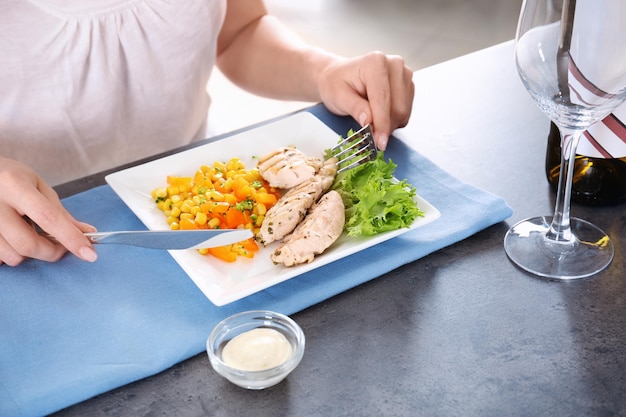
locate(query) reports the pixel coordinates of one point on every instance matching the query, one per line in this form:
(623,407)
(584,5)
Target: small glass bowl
(249,320)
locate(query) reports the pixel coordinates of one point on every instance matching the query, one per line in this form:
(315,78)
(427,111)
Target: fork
(355,150)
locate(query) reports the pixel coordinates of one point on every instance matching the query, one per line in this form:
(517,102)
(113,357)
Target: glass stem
(560,232)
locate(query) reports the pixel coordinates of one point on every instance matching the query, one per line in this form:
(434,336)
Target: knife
(169,239)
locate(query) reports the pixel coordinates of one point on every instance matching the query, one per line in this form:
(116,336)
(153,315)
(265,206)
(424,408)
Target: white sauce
(257,350)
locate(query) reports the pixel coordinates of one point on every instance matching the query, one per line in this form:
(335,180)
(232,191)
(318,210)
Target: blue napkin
(71,330)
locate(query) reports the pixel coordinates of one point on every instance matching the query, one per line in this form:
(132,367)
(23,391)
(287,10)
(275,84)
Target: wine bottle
(600,163)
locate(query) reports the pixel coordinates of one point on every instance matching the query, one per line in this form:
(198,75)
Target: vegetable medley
(229,196)
(221,196)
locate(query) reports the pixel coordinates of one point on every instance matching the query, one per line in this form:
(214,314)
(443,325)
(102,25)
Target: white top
(87,85)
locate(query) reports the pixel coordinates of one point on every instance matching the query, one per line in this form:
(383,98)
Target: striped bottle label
(596,75)
(607,138)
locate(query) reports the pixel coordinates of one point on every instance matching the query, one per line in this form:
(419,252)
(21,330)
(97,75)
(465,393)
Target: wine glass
(571,57)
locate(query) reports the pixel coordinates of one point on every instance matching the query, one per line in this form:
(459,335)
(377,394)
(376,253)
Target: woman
(90,85)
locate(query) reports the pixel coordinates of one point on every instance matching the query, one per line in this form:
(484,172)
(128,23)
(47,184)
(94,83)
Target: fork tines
(356,149)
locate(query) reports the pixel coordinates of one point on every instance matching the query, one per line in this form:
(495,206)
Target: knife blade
(169,239)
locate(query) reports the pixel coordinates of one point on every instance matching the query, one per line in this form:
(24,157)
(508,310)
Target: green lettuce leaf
(375,201)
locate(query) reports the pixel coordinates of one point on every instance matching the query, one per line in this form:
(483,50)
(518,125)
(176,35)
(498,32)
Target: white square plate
(224,282)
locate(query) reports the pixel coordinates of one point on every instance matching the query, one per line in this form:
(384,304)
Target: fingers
(50,215)
(374,73)
(19,240)
(374,88)
(25,194)
(403,91)
(390,90)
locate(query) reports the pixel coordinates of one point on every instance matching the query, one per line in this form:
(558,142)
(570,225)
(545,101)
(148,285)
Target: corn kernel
(234,164)
(214,195)
(219,166)
(159,193)
(201,218)
(186,206)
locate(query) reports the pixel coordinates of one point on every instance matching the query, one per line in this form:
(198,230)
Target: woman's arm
(259,54)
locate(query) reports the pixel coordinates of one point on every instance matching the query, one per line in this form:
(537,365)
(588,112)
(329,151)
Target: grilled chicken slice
(281,219)
(320,229)
(292,207)
(287,167)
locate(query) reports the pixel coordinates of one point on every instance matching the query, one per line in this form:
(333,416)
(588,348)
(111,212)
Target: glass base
(526,245)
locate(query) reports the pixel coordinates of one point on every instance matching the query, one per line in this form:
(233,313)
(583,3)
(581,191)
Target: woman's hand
(259,54)
(25,194)
(374,88)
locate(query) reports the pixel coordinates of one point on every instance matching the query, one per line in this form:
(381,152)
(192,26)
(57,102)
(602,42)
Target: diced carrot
(236,218)
(250,245)
(224,253)
(267,199)
(178,181)
(230,198)
(187,224)
(214,208)
(242,192)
